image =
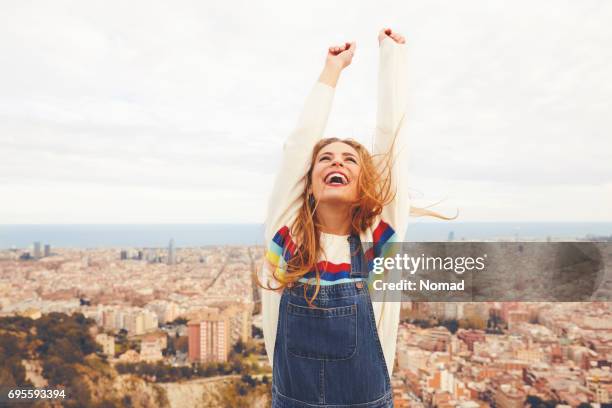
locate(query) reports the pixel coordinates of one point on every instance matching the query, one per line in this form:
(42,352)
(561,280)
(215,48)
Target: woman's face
(335,173)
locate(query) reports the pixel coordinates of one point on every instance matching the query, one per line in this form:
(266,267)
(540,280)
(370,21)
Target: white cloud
(151,112)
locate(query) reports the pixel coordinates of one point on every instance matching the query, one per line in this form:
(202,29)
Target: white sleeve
(391,138)
(285,199)
(391,129)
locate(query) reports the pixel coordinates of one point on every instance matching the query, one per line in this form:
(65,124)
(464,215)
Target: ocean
(193,235)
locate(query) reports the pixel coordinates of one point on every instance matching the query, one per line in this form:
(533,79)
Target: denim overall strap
(359,265)
(322,350)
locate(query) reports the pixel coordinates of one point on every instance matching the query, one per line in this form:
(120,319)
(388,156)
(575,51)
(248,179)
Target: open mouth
(336,179)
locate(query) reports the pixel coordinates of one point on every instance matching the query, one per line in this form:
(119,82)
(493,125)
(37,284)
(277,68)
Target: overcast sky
(142,111)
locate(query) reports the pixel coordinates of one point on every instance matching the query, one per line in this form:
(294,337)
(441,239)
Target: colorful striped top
(335,264)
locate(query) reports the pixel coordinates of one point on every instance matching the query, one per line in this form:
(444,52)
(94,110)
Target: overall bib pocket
(322,333)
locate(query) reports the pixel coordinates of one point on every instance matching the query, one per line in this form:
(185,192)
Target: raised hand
(341,56)
(387,32)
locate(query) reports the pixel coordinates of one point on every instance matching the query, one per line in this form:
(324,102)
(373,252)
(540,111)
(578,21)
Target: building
(469,337)
(37,254)
(506,396)
(134,323)
(599,381)
(435,339)
(108,319)
(47,250)
(515,317)
(476,312)
(209,337)
(164,310)
(171,253)
(107,342)
(239,315)
(150,349)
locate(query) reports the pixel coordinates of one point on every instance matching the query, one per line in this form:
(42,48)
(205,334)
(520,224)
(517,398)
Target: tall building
(164,310)
(37,254)
(47,250)
(209,337)
(239,315)
(171,253)
(135,322)
(108,319)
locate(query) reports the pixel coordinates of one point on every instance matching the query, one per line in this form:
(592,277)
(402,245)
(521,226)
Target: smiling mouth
(336,179)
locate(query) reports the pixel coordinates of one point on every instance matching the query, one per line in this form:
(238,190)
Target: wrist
(333,65)
(330,74)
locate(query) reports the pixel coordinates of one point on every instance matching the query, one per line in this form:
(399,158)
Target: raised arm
(289,183)
(391,124)
(391,138)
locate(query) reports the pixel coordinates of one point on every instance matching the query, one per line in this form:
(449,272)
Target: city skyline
(198,322)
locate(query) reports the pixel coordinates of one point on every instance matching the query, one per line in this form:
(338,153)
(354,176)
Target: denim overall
(330,355)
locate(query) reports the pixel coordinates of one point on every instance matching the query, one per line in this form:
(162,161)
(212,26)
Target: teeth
(336,174)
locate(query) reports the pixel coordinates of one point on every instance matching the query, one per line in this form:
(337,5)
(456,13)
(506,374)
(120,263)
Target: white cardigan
(289,185)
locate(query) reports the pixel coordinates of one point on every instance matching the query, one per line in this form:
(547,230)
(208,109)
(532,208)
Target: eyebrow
(343,154)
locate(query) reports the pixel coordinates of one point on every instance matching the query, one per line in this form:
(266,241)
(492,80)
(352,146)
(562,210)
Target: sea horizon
(207,234)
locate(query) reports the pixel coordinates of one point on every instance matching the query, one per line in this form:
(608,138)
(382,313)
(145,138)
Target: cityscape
(182,327)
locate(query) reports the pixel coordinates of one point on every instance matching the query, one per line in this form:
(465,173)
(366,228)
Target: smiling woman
(346,186)
(322,330)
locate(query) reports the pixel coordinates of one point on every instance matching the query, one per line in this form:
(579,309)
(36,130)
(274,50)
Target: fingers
(398,38)
(388,32)
(336,49)
(348,46)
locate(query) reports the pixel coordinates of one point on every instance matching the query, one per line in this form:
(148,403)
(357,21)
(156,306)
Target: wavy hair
(375,191)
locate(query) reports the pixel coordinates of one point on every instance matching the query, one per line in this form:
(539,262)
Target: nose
(337,163)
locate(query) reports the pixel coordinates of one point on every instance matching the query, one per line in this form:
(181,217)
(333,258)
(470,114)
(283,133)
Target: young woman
(328,343)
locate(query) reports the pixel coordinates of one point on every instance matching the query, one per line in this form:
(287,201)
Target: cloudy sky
(143,111)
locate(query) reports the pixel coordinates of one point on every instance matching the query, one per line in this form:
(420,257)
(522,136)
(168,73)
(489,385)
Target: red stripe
(380,229)
(290,246)
(329,267)
(284,231)
(288,243)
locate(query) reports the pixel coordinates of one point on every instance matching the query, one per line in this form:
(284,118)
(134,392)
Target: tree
(256,332)
(239,347)
(451,324)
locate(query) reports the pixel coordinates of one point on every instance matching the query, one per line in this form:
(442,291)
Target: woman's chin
(336,198)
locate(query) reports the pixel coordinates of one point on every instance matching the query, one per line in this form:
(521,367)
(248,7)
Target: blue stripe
(313,281)
(387,233)
(330,277)
(278,250)
(279,240)
(386,247)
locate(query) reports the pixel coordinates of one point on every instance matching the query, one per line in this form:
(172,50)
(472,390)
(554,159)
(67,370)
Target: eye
(352,159)
(324,158)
